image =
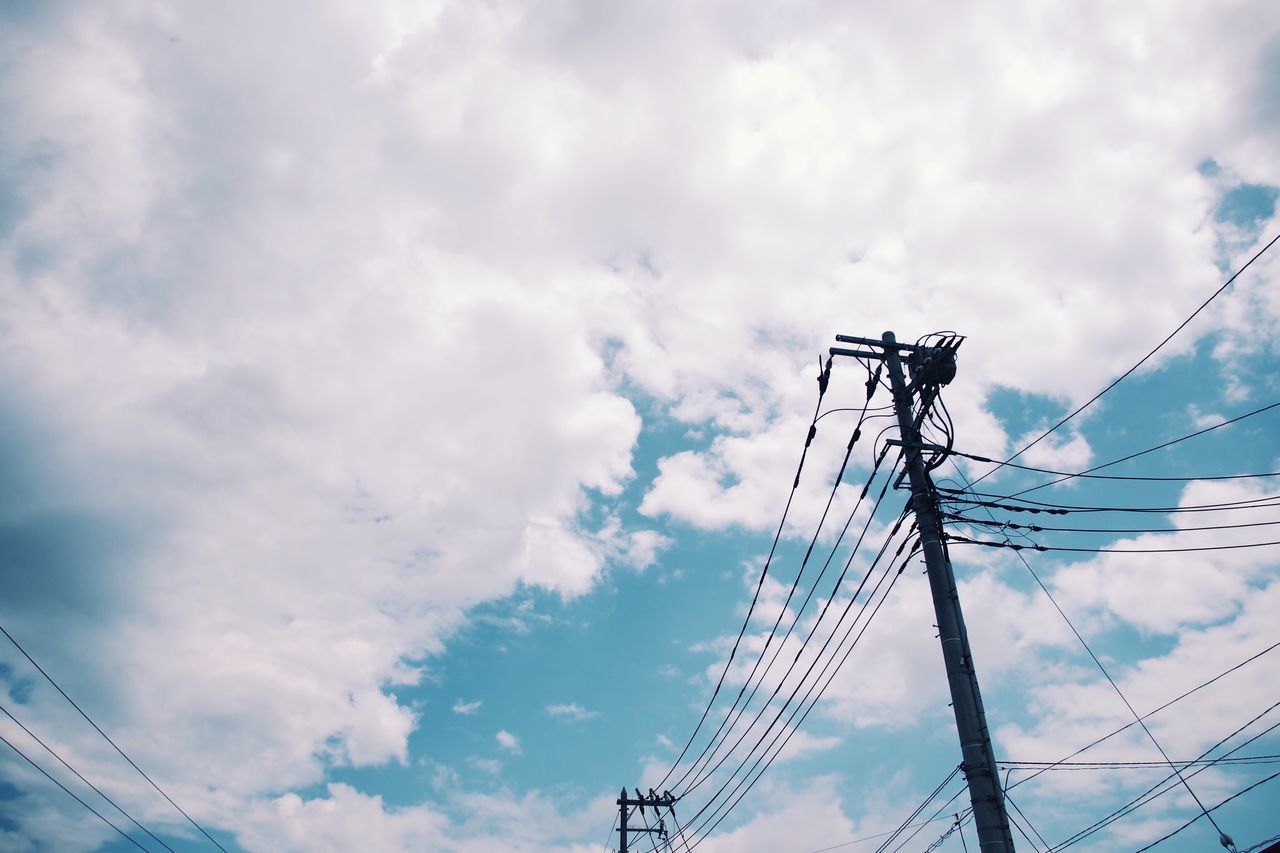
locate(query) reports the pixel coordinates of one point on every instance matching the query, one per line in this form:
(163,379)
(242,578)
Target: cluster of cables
(144,837)
(802,653)
(1018,528)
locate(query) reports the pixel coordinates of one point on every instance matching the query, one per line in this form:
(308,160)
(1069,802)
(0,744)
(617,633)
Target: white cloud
(346,319)
(508,741)
(572,712)
(466,708)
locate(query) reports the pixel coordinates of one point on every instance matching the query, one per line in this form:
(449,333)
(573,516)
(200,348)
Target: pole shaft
(622,822)
(975,741)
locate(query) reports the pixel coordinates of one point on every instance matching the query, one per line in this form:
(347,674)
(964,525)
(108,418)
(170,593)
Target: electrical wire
(1140,362)
(1206,813)
(964,540)
(1038,507)
(98,728)
(1039,528)
(790,727)
(854,841)
(100,817)
(795,661)
(1027,821)
(1107,675)
(95,788)
(822,386)
(942,808)
(1160,446)
(1166,784)
(730,717)
(915,813)
(1154,711)
(1069,475)
(834,590)
(1134,765)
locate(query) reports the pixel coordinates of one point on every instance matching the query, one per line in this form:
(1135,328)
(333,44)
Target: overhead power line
(108,739)
(739,706)
(1042,528)
(1070,475)
(823,378)
(95,788)
(964,540)
(1168,784)
(1139,363)
(1236,795)
(126,836)
(1154,711)
(1114,686)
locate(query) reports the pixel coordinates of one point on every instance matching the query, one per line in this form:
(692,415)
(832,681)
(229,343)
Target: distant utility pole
(932,367)
(665,800)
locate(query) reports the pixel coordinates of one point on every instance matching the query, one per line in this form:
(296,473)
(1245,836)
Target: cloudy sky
(399,399)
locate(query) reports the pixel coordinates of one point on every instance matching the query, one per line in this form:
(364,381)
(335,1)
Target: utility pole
(932,367)
(654,801)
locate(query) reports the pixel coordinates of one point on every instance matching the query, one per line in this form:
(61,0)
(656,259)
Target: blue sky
(399,402)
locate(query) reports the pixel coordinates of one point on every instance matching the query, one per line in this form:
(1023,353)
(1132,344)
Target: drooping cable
(1168,784)
(823,379)
(78,775)
(1043,528)
(1150,735)
(1140,362)
(942,808)
(981,499)
(791,726)
(907,822)
(964,540)
(795,661)
(1027,821)
(126,836)
(739,706)
(1085,475)
(1153,712)
(99,730)
(693,770)
(1207,813)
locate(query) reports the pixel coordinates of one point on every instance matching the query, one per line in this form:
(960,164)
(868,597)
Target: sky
(398,401)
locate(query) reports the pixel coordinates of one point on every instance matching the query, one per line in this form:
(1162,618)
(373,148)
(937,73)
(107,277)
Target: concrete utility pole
(932,367)
(654,801)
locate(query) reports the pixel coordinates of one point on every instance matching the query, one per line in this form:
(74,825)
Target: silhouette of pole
(979,764)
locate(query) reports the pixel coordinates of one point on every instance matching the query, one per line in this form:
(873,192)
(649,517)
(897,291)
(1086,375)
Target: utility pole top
(932,366)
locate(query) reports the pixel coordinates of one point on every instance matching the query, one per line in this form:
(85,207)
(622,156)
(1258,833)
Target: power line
(1140,362)
(1206,813)
(906,823)
(823,378)
(835,588)
(1041,528)
(854,841)
(1154,711)
(1070,475)
(98,728)
(1039,507)
(1160,446)
(1109,679)
(795,661)
(1135,765)
(964,540)
(96,789)
(730,719)
(1151,793)
(790,728)
(942,808)
(123,834)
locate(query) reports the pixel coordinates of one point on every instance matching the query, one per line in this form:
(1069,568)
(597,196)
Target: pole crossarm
(665,800)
